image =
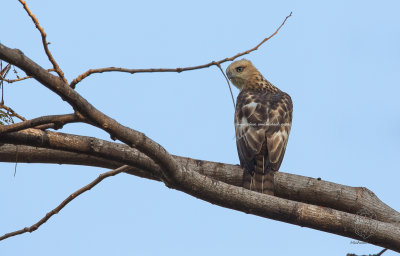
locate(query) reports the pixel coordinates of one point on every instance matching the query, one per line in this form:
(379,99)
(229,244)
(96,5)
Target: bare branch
(65,202)
(289,186)
(153,70)
(58,120)
(44,41)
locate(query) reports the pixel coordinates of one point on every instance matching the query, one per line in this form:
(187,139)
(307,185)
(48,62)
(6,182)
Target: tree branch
(44,41)
(178,70)
(30,154)
(65,202)
(95,152)
(58,120)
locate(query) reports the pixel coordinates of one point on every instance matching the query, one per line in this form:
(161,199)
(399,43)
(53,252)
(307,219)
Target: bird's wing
(257,124)
(280,118)
(251,111)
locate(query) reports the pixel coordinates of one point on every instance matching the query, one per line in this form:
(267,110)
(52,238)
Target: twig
(66,201)
(153,70)
(2,78)
(229,85)
(44,41)
(57,120)
(11,112)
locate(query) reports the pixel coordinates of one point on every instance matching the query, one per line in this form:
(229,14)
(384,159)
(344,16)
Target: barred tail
(262,180)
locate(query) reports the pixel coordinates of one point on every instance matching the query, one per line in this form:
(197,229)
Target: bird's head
(241,73)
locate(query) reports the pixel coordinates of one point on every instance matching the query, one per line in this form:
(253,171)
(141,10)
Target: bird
(263,120)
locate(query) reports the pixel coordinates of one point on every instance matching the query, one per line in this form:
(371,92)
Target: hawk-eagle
(263,118)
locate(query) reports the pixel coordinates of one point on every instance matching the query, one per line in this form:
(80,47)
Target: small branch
(58,120)
(12,113)
(44,41)
(10,81)
(153,70)
(65,202)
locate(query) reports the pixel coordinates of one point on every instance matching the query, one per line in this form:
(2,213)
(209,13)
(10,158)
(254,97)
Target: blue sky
(339,61)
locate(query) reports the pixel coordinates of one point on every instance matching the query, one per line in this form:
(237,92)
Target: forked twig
(153,70)
(66,201)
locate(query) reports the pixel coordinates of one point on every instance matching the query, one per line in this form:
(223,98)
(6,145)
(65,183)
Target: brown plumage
(263,118)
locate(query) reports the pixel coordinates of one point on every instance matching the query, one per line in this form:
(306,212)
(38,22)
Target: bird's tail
(261,180)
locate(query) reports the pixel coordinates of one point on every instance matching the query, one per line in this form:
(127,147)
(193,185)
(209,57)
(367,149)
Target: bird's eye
(239,69)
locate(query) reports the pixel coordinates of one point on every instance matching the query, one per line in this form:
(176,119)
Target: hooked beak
(229,74)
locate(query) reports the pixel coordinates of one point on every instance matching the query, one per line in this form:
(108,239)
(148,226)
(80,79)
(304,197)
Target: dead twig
(65,202)
(44,41)
(153,70)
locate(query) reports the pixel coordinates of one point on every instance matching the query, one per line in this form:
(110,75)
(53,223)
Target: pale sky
(339,61)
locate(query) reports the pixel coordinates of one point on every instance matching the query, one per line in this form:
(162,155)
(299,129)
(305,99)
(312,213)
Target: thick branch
(153,70)
(28,154)
(111,155)
(96,152)
(302,214)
